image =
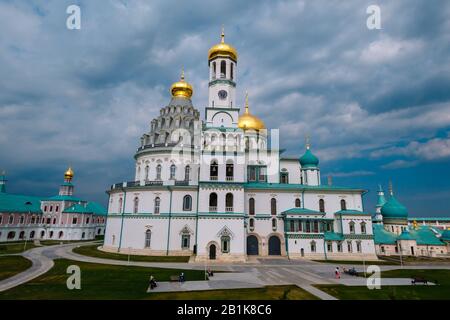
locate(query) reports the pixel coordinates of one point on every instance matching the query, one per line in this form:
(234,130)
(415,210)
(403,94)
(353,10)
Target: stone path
(255,274)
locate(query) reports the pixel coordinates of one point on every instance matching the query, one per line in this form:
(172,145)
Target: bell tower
(222,61)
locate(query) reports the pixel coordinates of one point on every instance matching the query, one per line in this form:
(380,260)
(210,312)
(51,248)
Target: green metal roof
(423,236)
(429,219)
(382,236)
(90,208)
(353,212)
(19,203)
(62,198)
(302,211)
(333,236)
(446,235)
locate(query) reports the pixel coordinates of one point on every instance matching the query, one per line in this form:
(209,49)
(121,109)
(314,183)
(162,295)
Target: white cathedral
(220,189)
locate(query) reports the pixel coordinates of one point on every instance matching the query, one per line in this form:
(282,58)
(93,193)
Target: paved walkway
(257,273)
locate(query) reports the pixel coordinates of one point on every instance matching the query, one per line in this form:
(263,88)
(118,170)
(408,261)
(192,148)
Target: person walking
(337,273)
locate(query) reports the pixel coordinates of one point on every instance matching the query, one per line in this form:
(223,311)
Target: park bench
(419,280)
(174,278)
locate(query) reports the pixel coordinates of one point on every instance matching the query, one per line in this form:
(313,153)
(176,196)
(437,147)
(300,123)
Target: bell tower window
(223,67)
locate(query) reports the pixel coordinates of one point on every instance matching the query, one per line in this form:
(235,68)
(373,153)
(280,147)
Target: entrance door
(302,252)
(252,245)
(212,252)
(274,246)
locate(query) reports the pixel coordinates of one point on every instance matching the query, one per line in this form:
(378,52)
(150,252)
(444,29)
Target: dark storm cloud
(85,97)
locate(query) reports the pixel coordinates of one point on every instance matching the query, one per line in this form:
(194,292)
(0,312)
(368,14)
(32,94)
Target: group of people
(352,271)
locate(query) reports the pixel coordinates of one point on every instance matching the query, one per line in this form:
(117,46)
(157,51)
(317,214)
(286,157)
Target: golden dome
(222,50)
(248,121)
(181,89)
(68,175)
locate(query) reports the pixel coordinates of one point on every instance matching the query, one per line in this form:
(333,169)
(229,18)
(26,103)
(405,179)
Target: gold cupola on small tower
(247,121)
(68,175)
(222,49)
(181,89)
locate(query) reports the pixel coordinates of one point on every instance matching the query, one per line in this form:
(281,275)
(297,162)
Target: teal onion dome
(394,209)
(308,160)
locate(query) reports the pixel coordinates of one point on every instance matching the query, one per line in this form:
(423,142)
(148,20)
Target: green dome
(394,209)
(308,160)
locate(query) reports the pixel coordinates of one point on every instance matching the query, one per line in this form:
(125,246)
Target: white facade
(227,194)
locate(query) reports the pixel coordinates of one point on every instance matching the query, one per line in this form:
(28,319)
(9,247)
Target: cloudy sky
(376,103)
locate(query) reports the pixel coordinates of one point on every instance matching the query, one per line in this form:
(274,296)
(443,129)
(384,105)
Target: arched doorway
(252,245)
(274,246)
(212,252)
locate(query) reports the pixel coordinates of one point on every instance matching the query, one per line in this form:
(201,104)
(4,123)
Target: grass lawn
(419,292)
(92,251)
(98,281)
(359,262)
(266,293)
(12,265)
(16,247)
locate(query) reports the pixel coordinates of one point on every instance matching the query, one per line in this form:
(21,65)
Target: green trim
(296,187)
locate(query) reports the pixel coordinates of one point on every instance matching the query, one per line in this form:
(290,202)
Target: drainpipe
(170,215)
(286,238)
(123,212)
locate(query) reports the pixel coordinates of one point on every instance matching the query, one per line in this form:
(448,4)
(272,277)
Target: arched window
(274,224)
(158,172)
(229,171)
(120,205)
(32,234)
(11,219)
(313,246)
(54,220)
(251,206)
(343,205)
(225,240)
(51,235)
(157,205)
(147,168)
(214,70)
(229,202)
(22,219)
(213,202)
(11,235)
(187,173)
(351,227)
(297,203)
(251,223)
(213,170)
(136,205)
(363,228)
(187,203)
(231,71)
(273,206)
(322,205)
(148,238)
(223,66)
(60,235)
(22,235)
(173,170)
(358,246)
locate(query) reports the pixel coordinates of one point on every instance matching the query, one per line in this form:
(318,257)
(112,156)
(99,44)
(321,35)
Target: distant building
(61,217)
(396,234)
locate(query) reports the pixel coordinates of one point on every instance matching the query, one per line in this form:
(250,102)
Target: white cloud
(387,49)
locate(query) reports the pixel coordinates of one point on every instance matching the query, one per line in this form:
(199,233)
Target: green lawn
(266,293)
(15,247)
(419,292)
(12,265)
(98,281)
(359,262)
(92,251)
